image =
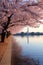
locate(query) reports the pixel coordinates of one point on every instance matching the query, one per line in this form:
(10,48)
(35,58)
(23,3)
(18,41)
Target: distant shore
(29,34)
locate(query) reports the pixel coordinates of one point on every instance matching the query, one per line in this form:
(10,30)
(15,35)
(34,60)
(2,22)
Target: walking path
(5,53)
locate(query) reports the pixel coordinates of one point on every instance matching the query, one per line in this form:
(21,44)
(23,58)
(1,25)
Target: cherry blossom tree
(15,13)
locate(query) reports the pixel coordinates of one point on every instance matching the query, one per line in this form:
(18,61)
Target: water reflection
(20,52)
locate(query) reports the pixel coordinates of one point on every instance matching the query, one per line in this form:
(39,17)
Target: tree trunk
(8,34)
(3,36)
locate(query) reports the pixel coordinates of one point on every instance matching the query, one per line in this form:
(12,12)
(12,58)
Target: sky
(31,1)
(39,29)
(32,29)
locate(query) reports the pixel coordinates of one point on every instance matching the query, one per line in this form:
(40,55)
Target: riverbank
(3,47)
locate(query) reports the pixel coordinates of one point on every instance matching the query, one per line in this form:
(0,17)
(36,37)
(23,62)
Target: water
(31,46)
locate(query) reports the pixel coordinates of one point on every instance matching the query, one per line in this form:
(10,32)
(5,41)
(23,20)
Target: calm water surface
(32,46)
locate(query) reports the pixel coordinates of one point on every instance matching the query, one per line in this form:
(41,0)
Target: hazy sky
(32,29)
(40,29)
